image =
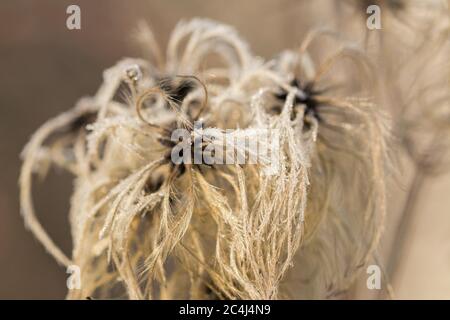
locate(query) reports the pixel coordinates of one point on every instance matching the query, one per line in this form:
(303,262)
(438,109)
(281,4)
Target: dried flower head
(145,226)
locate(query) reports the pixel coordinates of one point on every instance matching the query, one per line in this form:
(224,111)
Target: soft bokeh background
(45,68)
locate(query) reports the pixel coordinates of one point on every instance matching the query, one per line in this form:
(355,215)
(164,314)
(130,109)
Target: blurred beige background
(45,68)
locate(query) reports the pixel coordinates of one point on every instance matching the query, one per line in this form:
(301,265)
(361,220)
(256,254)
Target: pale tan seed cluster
(144,227)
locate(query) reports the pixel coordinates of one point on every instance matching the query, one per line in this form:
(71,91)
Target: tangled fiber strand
(146,227)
